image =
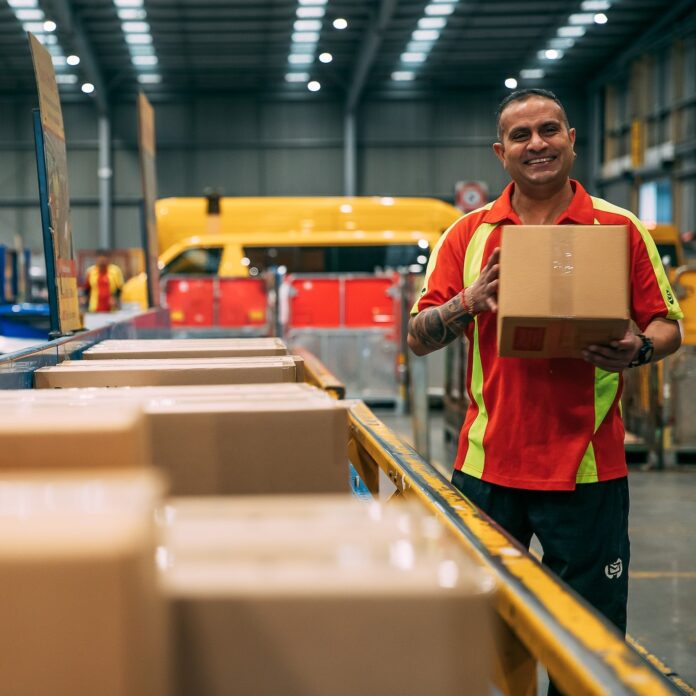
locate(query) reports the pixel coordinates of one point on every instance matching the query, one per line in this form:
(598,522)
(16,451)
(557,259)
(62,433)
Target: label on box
(529,338)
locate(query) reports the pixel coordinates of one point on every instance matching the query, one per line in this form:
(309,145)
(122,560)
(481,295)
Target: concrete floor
(662,585)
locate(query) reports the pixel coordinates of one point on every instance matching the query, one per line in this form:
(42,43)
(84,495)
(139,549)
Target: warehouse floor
(662,599)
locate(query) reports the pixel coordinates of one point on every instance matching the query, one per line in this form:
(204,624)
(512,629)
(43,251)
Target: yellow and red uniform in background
(102,286)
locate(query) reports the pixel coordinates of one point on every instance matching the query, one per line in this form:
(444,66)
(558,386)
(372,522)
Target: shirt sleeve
(651,293)
(444,276)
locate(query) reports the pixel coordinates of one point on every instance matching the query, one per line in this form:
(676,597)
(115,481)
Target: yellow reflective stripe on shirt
(475,455)
(606,384)
(474,252)
(673,309)
(432,261)
(605,388)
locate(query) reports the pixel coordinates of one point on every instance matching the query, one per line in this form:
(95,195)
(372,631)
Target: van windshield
(338,259)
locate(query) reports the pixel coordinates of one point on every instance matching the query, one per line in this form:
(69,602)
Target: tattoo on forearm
(437,326)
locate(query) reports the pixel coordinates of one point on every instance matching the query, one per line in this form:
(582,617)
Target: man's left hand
(616,356)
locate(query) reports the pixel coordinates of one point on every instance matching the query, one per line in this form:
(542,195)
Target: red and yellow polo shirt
(544,424)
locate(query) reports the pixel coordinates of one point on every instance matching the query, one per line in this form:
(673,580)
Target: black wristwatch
(645,352)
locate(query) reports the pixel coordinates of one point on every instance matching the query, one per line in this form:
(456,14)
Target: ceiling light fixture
(305,37)
(73,60)
(551,54)
(87,88)
(432,23)
(413,57)
(571,32)
(138,38)
(300,58)
(22,3)
(562,43)
(511,83)
(297,77)
(144,60)
(307,25)
(585,18)
(325,57)
(308,12)
(128,3)
(130,14)
(532,74)
(149,78)
(425,35)
(340,23)
(29,15)
(135,27)
(439,9)
(49,26)
(63,79)
(403,75)
(600,18)
(595,5)
(313,86)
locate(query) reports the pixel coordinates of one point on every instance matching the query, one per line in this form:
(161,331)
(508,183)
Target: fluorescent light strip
(137,34)
(569,34)
(303,41)
(423,38)
(33,19)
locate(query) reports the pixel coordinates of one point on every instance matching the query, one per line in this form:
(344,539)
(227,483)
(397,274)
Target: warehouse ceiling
(391,46)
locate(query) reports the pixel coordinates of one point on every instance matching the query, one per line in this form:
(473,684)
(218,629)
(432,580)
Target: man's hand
(616,356)
(436,327)
(482,294)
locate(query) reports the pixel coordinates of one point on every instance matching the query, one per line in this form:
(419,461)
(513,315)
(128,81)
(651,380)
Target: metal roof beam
(62,13)
(368,52)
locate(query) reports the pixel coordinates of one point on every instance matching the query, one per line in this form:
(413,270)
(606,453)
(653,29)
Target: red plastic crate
(243,302)
(369,302)
(314,302)
(190,302)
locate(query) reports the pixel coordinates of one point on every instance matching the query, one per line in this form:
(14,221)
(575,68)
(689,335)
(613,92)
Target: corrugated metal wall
(248,146)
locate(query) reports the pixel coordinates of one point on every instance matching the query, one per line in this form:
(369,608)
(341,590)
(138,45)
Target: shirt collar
(580,210)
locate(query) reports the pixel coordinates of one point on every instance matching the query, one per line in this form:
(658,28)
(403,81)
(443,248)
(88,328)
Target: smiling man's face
(536,146)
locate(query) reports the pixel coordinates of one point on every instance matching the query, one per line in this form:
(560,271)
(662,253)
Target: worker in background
(103,284)
(542,446)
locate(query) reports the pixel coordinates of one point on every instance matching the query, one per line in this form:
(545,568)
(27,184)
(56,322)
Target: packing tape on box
(562,272)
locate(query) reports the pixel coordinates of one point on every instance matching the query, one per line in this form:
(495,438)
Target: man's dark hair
(522,95)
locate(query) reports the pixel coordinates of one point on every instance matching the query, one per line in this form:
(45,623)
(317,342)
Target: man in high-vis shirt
(542,446)
(103,284)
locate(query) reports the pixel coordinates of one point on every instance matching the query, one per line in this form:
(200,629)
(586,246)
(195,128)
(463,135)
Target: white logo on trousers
(614,570)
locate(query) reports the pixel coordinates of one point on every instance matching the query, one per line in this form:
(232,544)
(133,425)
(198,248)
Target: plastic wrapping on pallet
(318,595)
(81,609)
(186,348)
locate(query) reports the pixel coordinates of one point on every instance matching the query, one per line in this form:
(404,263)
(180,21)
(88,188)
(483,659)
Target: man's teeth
(540,159)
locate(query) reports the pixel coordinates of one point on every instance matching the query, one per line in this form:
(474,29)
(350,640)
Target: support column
(349,154)
(105,175)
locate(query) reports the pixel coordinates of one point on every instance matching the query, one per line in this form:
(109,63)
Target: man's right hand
(482,294)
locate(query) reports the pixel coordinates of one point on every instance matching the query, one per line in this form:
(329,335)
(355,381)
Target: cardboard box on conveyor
(562,288)
(36,435)
(186,348)
(81,609)
(319,595)
(234,439)
(170,372)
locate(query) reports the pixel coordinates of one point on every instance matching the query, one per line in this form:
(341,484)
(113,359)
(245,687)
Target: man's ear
(499,150)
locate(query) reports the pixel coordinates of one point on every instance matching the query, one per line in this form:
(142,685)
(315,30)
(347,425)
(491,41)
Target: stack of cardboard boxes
(315,594)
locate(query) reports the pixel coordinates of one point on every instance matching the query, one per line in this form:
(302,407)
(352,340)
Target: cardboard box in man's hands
(562,288)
